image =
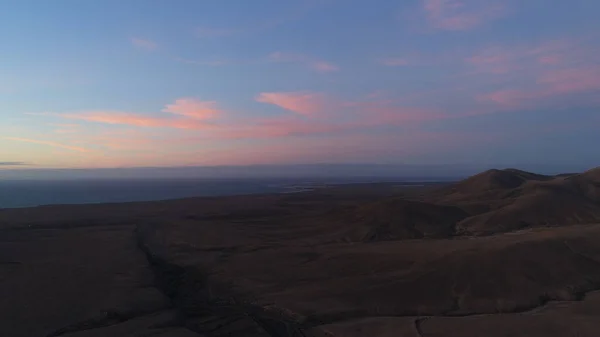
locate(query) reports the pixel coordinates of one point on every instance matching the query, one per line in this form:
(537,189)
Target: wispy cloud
(65,125)
(501,59)
(550,59)
(193,108)
(325,67)
(143,43)
(184,113)
(13,163)
(550,85)
(311,62)
(460,15)
(303,103)
(48,143)
(139,120)
(571,80)
(538,75)
(279,128)
(329,114)
(66,128)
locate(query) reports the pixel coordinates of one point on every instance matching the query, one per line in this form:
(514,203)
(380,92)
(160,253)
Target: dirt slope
(506,200)
(396,219)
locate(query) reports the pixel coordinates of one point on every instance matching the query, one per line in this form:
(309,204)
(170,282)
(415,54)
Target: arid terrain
(503,253)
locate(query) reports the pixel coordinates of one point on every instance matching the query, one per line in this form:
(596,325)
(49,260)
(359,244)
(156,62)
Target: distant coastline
(32,193)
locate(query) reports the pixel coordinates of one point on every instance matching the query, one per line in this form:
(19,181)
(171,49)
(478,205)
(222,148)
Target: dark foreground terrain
(504,253)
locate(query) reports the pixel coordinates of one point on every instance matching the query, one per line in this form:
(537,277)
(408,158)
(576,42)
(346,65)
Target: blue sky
(172,83)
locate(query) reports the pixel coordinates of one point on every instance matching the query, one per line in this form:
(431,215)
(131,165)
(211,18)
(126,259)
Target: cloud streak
(193,108)
(13,163)
(538,76)
(550,86)
(48,143)
(184,113)
(500,59)
(456,15)
(125,118)
(303,103)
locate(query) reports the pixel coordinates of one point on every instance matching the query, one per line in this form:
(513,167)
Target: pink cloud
(549,86)
(573,80)
(184,113)
(144,43)
(507,97)
(352,148)
(517,58)
(124,118)
(278,128)
(550,59)
(328,115)
(304,103)
(461,15)
(551,47)
(65,128)
(193,108)
(66,125)
(63,131)
(325,67)
(356,114)
(496,60)
(48,143)
(316,64)
(377,94)
(126,144)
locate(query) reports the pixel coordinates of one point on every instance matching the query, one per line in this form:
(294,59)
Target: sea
(31,193)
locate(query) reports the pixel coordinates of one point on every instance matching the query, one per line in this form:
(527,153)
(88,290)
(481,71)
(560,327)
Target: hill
(497,180)
(396,219)
(593,174)
(494,201)
(505,200)
(281,264)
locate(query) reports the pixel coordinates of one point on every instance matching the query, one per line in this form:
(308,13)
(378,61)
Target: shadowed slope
(397,219)
(506,200)
(497,180)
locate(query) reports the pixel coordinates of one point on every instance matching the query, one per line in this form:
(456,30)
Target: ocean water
(29,193)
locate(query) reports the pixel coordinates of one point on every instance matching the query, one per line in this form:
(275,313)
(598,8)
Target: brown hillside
(486,191)
(494,201)
(496,180)
(528,175)
(534,201)
(593,174)
(276,265)
(396,219)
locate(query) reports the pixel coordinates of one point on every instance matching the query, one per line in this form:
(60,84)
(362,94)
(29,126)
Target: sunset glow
(105,84)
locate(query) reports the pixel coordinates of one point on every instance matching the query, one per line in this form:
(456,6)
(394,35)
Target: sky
(139,83)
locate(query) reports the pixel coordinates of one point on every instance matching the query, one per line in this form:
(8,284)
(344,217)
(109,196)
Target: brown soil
(512,254)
